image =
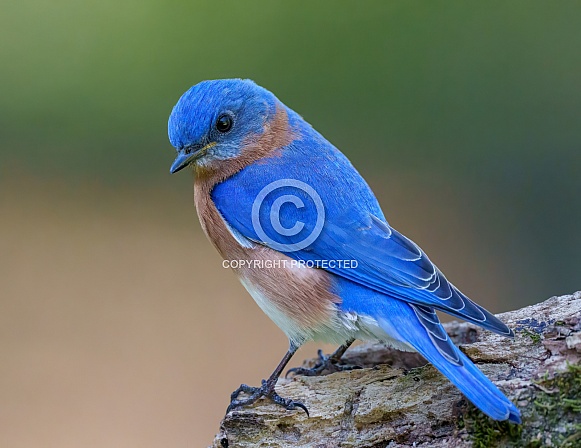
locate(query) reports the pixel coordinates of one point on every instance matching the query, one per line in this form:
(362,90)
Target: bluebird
(307,238)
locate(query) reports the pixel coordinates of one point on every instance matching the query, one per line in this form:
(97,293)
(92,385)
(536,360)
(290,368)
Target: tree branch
(397,400)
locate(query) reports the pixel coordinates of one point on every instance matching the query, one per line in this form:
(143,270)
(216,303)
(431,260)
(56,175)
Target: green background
(465,117)
(483,96)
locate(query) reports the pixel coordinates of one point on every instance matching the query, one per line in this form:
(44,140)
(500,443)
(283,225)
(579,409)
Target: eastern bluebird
(308,240)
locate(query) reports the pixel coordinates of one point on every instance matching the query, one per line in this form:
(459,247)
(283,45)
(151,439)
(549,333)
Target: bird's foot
(325,363)
(266,391)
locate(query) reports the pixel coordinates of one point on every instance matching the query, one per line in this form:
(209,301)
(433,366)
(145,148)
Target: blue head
(212,120)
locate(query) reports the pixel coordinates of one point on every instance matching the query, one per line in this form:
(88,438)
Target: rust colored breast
(301,294)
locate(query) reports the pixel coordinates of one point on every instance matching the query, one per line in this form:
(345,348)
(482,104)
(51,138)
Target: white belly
(334,330)
(337,330)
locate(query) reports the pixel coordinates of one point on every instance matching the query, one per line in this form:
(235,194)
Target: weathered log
(397,400)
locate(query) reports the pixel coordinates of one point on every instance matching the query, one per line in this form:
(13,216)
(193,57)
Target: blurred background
(118,325)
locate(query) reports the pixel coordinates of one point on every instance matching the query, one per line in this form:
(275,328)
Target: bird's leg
(329,363)
(267,389)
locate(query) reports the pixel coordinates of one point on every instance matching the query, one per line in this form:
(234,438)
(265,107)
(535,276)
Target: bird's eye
(224,123)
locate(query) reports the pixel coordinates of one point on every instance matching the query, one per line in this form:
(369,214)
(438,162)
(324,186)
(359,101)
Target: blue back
(354,225)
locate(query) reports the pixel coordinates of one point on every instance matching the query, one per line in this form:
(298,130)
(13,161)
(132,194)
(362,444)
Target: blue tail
(420,328)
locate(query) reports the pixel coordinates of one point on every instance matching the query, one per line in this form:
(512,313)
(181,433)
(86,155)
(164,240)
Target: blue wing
(354,227)
(390,263)
(419,327)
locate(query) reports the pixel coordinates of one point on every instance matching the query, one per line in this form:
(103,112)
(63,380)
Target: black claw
(296,371)
(289,404)
(267,391)
(325,363)
(298,404)
(243,388)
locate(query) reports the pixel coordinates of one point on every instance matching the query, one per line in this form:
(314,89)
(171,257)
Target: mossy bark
(397,400)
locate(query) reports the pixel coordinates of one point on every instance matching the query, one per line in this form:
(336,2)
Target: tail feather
(400,320)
